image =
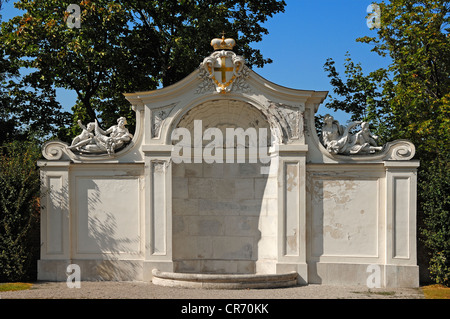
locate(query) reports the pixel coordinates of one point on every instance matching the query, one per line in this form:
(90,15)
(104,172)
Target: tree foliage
(365,97)
(121,46)
(19,211)
(25,107)
(415,36)
(125,46)
(411,100)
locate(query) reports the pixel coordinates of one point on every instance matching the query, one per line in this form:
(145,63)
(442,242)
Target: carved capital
(159,166)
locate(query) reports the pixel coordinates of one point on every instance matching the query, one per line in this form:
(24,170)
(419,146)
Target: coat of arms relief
(223,71)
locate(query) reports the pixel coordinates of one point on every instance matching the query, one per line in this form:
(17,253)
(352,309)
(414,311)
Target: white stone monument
(226,184)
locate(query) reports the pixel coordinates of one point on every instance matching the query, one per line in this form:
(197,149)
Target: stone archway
(224,212)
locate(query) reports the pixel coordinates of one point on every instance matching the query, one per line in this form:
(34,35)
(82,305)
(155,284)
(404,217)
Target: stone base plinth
(224,281)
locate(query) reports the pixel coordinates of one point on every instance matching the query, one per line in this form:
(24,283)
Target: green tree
(180,31)
(25,108)
(125,46)
(19,210)
(84,60)
(415,36)
(364,97)
(413,96)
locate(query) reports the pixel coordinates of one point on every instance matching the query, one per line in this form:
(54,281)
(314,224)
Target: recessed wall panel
(108,215)
(55,215)
(291,209)
(345,217)
(401,220)
(158,233)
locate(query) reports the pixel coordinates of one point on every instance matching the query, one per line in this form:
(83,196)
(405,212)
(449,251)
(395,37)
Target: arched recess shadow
(223,209)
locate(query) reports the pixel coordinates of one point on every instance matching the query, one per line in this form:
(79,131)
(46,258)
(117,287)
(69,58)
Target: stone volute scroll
(339,140)
(92,141)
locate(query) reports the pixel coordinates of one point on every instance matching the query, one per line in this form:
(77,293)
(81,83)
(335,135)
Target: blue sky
(310,31)
(299,42)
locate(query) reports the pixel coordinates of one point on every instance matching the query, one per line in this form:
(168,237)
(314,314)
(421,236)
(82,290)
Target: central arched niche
(224,214)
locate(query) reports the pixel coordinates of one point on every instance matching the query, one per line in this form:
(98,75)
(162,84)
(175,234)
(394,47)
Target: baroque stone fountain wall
(333,209)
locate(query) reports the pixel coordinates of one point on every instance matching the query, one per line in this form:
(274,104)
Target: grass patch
(382,293)
(436,292)
(371,292)
(13,286)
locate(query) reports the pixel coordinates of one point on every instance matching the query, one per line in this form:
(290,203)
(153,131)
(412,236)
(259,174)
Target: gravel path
(143,290)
